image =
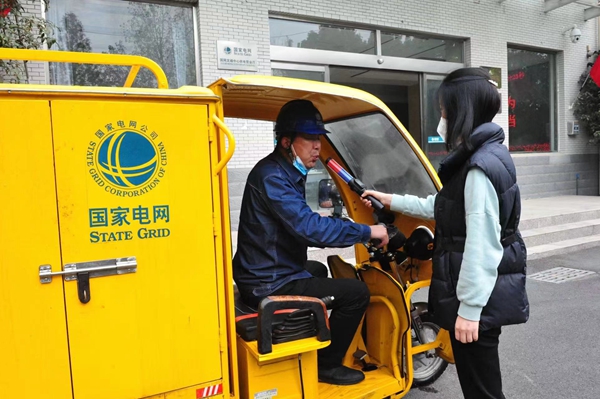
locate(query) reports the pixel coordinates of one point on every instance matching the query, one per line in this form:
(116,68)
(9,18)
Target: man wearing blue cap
(277,226)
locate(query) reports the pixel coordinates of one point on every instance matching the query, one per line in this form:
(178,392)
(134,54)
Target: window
(317,177)
(531,93)
(321,36)
(421,47)
(332,37)
(163,33)
(299,74)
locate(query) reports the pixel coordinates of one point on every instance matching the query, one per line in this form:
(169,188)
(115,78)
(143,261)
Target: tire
(427,366)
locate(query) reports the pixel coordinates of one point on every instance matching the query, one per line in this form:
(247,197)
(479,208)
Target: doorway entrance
(400,91)
(409,95)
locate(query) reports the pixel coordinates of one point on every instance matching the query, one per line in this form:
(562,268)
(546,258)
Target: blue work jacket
(277,226)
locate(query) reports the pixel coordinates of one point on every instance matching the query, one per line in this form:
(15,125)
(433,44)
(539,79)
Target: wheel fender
(445,351)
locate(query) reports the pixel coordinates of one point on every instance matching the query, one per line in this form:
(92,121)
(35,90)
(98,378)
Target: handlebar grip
(375,203)
(376,241)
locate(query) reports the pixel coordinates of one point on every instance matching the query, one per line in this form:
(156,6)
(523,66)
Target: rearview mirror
(329,196)
(325,190)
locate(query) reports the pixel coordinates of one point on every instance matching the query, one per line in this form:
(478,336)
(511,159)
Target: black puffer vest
(508,303)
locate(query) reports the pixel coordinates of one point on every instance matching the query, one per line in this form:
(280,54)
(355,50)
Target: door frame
(426,102)
(293,66)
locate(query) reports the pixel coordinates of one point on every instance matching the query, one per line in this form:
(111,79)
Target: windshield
(377,154)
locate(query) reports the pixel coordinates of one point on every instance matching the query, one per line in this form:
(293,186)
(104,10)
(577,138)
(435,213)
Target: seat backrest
(280,319)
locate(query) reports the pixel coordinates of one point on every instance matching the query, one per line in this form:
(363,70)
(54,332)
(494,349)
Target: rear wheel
(427,366)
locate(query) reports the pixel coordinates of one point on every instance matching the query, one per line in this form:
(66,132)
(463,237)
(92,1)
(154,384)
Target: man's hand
(466,331)
(326,204)
(379,232)
(385,199)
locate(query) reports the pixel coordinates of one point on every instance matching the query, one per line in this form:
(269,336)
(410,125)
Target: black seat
(282,318)
(287,324)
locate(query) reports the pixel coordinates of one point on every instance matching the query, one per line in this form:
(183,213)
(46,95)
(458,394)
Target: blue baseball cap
(300,116)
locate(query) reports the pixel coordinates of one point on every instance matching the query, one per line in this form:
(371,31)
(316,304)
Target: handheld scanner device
(355,185)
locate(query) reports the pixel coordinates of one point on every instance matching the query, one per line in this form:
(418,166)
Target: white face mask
(442,128)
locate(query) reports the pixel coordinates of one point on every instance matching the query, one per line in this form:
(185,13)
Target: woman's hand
(385,199)
(466,331)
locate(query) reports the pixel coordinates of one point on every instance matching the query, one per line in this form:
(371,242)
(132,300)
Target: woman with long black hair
(479,260)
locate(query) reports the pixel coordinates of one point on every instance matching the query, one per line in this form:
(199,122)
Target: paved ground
(556,354)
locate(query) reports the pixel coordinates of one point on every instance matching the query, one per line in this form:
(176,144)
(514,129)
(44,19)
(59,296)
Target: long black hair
(470,99)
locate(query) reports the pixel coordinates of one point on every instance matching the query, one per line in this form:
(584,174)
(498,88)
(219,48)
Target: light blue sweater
(483,250)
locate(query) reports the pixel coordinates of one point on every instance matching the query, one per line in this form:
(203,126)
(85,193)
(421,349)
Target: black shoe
(340,375)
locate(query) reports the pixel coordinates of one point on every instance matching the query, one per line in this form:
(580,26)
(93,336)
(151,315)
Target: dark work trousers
(351,298)
(478,366)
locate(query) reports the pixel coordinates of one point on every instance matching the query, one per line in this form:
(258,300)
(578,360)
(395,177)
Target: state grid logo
(126,161)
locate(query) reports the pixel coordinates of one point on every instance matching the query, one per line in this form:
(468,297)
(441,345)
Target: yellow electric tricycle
(115,273)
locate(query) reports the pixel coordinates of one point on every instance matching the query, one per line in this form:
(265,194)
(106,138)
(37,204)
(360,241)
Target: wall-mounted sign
(435,139)
(236,55)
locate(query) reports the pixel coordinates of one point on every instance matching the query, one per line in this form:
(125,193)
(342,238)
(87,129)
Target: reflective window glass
(299,74)
(321,36)
(421,47)
(531,100)
(163,33)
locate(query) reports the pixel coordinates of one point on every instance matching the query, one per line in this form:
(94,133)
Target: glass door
(397,89)
(317,176)
(432,144)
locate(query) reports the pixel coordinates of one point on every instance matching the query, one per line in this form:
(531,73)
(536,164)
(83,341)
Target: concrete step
(539,170)
(571,187)
(553,177)
(546,218)
(588,191)
(560,232)
(560,224)
(563,247)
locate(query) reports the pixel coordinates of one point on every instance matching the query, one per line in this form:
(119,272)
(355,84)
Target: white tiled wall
(489,26)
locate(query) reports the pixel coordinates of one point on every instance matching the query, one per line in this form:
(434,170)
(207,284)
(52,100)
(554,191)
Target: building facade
(399,50)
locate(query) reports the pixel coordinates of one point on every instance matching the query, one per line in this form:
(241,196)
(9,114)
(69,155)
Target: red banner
(595,72)
(5,8)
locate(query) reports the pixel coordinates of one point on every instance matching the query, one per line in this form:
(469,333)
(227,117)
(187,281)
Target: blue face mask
(298,164)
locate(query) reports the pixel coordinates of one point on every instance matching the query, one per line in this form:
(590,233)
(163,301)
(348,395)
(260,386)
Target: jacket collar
(287,166)
(483,134)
